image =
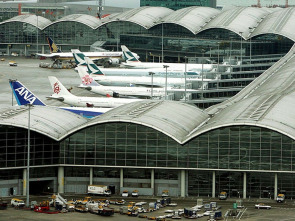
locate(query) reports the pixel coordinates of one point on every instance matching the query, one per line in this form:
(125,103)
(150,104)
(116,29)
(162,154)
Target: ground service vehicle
(281,198)
(125,193)
(262,206)
(17,202)
(134,193)
(101,190)
(223,196)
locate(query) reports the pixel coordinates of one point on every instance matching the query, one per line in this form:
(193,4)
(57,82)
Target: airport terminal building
(244,146)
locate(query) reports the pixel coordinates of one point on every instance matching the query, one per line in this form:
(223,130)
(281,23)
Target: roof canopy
(37,21)
(52,122)
(266,102)
(175,119)
(192,18)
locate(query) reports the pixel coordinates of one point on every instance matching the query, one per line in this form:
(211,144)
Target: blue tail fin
(23,95)
(52,46)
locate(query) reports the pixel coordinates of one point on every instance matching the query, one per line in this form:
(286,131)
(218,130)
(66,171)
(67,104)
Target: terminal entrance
(41,187)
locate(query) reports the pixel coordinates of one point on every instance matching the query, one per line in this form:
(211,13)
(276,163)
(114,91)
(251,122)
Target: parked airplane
(62,94)
(116,91)
(133,62)
(57,55)
(24,96)
(146,81)
(82,60)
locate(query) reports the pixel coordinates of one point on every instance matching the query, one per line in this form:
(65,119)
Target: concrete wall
(6,185)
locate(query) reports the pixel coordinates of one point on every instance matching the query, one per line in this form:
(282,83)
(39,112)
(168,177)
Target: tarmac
(36,79)
(278,212)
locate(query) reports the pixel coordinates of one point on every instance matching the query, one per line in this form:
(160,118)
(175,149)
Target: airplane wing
(56,98)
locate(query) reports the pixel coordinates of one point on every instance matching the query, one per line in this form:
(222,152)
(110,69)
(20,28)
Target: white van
(17,202)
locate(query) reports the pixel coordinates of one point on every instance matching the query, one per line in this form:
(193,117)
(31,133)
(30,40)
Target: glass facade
(229,151)
(13,148)
(178,4)
(122,144)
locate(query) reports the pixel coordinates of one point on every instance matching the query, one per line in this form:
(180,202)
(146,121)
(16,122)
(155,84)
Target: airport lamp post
(185,74)
(162,43)
(250,28)
(28,159)
(203,51)
(241,33)
(166,66)
(37,34)
(152,90)
(218,75)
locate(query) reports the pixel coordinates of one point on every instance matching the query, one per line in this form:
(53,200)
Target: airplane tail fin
(52,46)
(128,55)
(86,79)
(58,88)
(79,57)
(92,68)
(23,95)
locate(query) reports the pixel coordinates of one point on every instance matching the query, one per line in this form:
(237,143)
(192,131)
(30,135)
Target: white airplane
(116,91)
(57,55)
(133,62)
(24,96)
(62,94)
(144,81)
(81,59)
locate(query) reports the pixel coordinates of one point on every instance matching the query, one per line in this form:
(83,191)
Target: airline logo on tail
(52,46)
(22,95)
(92,68)
(79,57)
(87,80)
(128,55)
(56,88)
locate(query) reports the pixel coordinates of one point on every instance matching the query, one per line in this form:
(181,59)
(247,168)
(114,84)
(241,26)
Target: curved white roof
(52,122)
(267,102)
(175,119)
(143,16)
(192,18)
(41,22)
(280,22)
(88,20)
(238,20)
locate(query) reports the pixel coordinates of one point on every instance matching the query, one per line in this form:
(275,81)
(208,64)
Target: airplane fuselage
(94,101)
(171,66)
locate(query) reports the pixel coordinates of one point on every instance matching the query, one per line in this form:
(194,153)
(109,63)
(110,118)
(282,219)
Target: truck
(100,190)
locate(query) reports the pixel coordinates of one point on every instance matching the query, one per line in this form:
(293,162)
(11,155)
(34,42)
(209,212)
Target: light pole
(37,34)
(241,33)
(218,65)
(230,49)
(162,43)
(250,28)
(28,159)
(202,72)
(152,76)
(185,74)
(166,66)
